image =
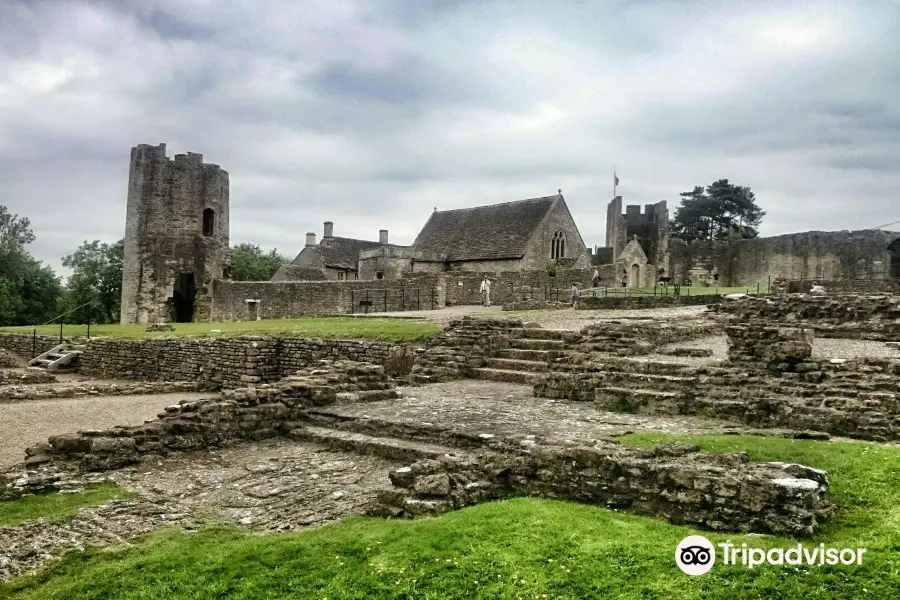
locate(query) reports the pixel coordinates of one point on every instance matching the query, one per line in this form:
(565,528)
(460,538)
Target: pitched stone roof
(490,232)
(341,252)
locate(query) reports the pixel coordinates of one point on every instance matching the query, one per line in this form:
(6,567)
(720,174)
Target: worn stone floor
(503,409)
(269,485)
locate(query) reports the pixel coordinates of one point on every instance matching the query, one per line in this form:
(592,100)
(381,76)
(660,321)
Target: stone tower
(176,236)
(651,228)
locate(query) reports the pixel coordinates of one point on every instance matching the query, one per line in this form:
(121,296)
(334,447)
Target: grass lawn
(520,548)
(395,330)
(57,507)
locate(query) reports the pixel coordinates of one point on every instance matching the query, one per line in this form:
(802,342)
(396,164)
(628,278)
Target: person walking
(624,278)
(574,295)
(486,291)
(595,278)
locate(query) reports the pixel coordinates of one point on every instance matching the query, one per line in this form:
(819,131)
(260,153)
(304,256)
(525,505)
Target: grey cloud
(371,114)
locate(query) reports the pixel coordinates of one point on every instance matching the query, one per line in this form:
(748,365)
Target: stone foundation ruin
(443,441)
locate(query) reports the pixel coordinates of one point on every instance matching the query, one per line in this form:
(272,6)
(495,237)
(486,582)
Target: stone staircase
(527,358)
(59,359)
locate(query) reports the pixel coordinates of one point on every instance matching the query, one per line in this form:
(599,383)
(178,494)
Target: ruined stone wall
(714,491)
(643,301)
(824,255)
(846,286)
(224,362)
(872,317)
(245,414)
(290,299)
(23,344)
(852,398)
(164,232)
(779,349)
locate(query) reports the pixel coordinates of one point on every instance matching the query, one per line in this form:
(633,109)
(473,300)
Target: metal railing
(34,352)
(396,300)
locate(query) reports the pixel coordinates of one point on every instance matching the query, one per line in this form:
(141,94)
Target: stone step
(645,402)
(530,355)
(507,376)
(647,380)
(427,433)
(361,443)
(366,396)
(531,344)
(544,334)
(512,364)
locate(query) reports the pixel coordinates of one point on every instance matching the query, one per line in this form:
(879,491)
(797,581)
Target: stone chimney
(329,229)
(310,239)
(383,237)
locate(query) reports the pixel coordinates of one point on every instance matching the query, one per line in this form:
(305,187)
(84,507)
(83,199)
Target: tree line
(31,292)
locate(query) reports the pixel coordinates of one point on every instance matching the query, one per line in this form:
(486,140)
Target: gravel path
(24,424)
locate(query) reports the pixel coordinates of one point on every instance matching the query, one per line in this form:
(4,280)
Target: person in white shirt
(486,291)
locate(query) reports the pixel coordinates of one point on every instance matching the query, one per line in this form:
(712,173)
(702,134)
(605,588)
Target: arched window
(558,246)
(209,221)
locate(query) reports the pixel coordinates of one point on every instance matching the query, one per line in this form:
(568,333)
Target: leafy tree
(29,291)
(721,211)
(96,278)
(250,263)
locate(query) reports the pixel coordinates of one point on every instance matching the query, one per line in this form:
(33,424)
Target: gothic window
(209,221)
(558,246)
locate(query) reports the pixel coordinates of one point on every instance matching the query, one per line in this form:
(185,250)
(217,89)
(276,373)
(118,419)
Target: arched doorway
(894,249)
(635,275)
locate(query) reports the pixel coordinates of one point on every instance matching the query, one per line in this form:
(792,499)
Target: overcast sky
(370,114)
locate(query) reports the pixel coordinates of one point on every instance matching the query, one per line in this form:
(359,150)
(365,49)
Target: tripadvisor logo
(696,555)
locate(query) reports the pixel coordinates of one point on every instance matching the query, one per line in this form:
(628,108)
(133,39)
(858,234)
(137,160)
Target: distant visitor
(486,291)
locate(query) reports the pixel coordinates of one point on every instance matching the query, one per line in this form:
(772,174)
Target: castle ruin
(176,236)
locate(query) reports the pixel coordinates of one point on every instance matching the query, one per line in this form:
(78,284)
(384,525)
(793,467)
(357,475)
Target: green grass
(365,328)
(57,507)
(521,548)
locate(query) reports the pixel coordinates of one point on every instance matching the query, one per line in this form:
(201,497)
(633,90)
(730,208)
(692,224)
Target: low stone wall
(290,299)
(228,362)
(24,377)
(461,347)
(855,398)
(632,337)
(23,344)
(778,348)
(12,393)
(644,301)
(714,491)
(872,317)
(846,286)
(535,304)
(247,414)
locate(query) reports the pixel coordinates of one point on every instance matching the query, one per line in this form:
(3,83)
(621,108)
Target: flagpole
(614,182)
